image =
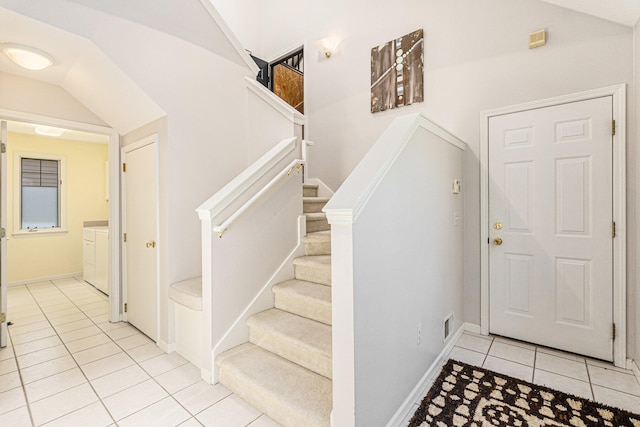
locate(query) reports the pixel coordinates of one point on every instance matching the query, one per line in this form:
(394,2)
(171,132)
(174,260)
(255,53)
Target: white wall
(34,97)
(406,272)
(476,58)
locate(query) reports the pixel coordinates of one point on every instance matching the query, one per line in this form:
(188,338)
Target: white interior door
(141,248)
(551,209)
(3,239)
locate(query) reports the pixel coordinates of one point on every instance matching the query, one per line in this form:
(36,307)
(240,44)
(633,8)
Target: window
(39,203)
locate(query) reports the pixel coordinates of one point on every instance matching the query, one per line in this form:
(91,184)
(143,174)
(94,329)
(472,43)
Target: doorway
(140,228)
(552,271)
(21,142)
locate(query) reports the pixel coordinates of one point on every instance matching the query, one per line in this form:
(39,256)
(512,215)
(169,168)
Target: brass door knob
(151,244)
(497,241)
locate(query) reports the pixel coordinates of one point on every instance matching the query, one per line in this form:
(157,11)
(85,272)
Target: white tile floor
(577,375)
(67,365)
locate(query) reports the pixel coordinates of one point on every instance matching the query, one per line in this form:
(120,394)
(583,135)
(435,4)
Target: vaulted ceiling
(119,101)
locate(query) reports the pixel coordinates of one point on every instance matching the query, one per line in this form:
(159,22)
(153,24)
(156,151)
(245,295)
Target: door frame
(618,92)
(147,140)
(115,313)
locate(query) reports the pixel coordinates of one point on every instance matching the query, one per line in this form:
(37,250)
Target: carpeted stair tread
(187,293)
(313,268)
(314,204)
(310,190)
(289,394)
(306,299)
(300,340)
(318,243)
(317,221)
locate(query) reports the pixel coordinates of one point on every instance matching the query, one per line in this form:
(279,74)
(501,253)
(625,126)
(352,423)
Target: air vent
(447,326)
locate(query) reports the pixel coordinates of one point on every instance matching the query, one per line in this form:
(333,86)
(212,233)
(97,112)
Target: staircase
(285,368)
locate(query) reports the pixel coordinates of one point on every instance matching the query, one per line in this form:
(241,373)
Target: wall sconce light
(26,56)
(328,46)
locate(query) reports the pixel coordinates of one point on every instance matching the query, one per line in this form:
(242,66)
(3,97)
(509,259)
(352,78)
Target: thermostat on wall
(457,184)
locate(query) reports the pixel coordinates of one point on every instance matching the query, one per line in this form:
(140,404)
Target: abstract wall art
(397,76)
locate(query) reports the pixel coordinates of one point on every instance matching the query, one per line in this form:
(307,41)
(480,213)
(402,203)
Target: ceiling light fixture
(49,131)
(27,57)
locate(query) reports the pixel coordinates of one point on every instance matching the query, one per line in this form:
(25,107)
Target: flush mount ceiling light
(49,131)
(27,57)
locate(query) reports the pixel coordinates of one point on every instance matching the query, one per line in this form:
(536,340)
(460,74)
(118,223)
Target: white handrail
(297,164)
(230,192)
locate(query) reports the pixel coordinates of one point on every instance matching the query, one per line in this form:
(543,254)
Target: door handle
(497,241)
(151,244)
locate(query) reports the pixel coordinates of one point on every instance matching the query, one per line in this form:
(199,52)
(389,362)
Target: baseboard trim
(425,382)
(473,328)
(631,364)
(323,189)
(166,347)
(205,374)
(77,274)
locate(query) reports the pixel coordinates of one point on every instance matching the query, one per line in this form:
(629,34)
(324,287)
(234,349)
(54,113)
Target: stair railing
(297,164)
(262,208)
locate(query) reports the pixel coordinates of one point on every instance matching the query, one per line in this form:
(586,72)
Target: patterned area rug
(468,396)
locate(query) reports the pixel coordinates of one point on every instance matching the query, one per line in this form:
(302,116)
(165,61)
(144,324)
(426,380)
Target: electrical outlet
(419,340)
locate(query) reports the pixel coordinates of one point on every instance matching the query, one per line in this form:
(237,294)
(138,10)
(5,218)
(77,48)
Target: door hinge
(3,148)
(613,331)
(3,233)
(125,237)
(3,317)
(124,167)
(613,229)
(613,127)
(125,307)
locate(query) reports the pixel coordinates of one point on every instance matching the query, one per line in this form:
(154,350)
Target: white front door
(140,227)
(3,240)
(550,219)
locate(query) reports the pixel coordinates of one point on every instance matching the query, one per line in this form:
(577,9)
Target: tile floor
(67,365)
(581,376)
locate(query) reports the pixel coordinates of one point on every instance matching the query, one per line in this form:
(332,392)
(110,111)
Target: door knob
(497,241)
(497,225)
(151,244)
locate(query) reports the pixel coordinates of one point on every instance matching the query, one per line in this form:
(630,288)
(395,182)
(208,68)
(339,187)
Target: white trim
(231,37)
(220,229)
(234,189)
(17,231)
(632,365)
(619,204)
(286,52)
(165,346)
(473,328)
(426,381)
(115,298)
(148,140)
(76,275)
(323,189)
(274,101)
(355,192)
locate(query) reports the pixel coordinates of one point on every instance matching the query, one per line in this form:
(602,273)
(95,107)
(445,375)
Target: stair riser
(309,192)
(260,399)
(309,206)
(317,248)
(315,274)
(304,307)
(317,225)
(318,363)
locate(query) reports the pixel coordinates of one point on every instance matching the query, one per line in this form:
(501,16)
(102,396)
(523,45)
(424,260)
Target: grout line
(74,359)
(24,391)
